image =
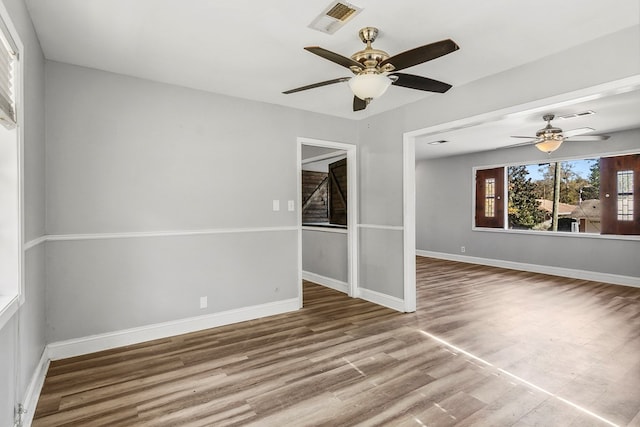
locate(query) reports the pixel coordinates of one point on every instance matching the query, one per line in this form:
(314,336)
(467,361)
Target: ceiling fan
(373,68)
(549,138)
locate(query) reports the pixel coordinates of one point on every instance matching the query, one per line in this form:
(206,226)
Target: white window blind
(8,57)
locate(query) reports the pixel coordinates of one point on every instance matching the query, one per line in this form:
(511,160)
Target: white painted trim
(93,343)
(381,227)
(539,105)
(325,229)
(8,307)
(335,284)
(382,299)
(594,276)
(32,394)
(142,234)
(169,233)
(299,219)
(409,222)
(35,242)
(352,212)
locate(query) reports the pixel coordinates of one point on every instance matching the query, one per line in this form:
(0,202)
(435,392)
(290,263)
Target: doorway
(333,238)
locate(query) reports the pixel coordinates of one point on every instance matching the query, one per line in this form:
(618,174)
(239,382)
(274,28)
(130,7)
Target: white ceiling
(254,49)
(616,111)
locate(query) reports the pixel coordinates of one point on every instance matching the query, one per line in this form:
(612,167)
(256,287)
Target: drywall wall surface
(104,285)
(310,151)
(612,57)
(381,261)
(22,339)
(128,155)
(7,372)
(158,195)
(380,174)
(381,204)
(325,253)
(444,212)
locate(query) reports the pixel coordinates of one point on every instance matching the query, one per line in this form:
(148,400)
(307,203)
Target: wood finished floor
(523,349)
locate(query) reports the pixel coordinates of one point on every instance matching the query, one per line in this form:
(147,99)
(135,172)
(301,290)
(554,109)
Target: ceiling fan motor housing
(370,57)
(549,132)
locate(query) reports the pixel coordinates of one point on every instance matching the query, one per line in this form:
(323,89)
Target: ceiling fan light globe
(549,145)
(369,86)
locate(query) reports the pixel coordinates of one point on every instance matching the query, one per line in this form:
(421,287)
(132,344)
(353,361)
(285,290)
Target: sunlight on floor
(522,380)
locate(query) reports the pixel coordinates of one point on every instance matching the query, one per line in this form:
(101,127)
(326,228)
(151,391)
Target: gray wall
(380,179)
(609,58)
(128,155)
(22,339)
(325,253)
(444,210)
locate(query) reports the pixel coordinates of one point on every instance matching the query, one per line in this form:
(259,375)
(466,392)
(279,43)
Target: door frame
(409,158)
(352,209)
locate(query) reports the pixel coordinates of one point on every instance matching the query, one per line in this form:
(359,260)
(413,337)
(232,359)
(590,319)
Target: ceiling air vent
(334,17)
(574,115)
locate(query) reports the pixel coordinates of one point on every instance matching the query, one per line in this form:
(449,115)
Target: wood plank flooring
(486,347)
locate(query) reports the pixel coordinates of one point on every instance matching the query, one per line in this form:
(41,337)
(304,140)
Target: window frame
(10,302)
(561,234)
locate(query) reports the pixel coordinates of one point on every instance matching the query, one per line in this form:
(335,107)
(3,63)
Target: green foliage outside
(525,192)
(524,209)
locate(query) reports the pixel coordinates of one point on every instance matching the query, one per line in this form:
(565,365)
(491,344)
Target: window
(8,59)
(490,197)
(489,192)
(595,196)
(625,195)
(620,180)
(10,170)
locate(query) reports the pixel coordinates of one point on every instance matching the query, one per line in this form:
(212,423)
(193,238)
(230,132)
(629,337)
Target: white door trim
(352,210)
(409,163)
(409,221)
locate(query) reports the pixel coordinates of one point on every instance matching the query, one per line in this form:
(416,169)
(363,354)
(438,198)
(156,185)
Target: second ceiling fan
(549,138)
(375,70)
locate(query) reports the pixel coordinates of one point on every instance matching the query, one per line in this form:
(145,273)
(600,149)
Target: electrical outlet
(291,205)
(203,302)
(276,205)
(462,249)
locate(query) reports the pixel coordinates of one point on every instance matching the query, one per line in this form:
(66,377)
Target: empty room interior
(242,213)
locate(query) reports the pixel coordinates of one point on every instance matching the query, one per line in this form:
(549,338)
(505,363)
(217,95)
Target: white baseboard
(338,285)
(382,299)
(93,343)
(32,394)
(535,268)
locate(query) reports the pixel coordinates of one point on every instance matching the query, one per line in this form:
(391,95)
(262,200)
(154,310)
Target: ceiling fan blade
(315,85)
(359,104)
(421,54)
(588,138)
(520,136)
(519,144)
(420,83)
(334,57)
(579,131)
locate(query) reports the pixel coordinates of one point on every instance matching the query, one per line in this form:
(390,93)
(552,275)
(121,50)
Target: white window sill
(561,234)
(8,307)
